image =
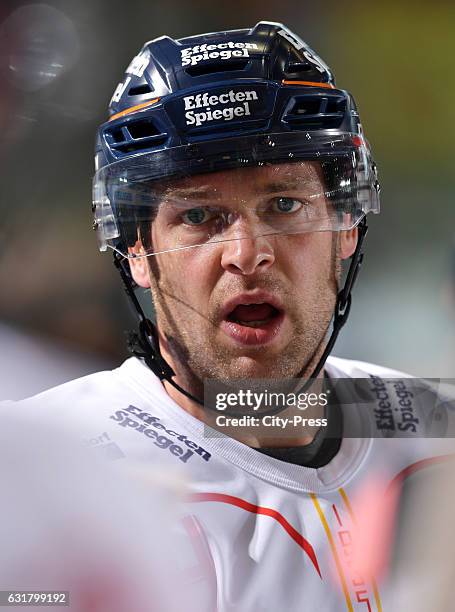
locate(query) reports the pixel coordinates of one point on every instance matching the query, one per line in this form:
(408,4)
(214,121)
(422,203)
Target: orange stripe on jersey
(334,551)
(133,109)
(309,84)
(242,503)
(347,503)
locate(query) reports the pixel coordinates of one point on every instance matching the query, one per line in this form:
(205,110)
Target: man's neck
(273,431)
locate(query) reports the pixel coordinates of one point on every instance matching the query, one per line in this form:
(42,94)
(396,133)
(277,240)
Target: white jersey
(267,535)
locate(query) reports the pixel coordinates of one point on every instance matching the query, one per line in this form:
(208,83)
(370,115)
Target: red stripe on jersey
(241,503)
(337,515)
(418,465)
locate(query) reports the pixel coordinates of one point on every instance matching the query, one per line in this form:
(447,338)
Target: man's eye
(196,216)
(286,205)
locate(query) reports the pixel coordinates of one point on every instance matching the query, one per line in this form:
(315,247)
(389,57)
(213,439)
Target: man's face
(250,302)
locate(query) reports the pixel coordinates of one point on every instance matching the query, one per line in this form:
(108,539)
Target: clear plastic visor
(291,184)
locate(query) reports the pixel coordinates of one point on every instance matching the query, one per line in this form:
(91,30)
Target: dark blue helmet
(222,101)
(244,104)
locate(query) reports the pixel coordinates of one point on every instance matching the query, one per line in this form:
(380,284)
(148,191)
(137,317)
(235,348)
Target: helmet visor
(238,188)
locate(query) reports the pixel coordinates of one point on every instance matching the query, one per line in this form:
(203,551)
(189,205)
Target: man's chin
(257,367)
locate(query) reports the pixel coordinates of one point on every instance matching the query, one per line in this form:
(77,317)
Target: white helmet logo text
(226,100)
(223,51)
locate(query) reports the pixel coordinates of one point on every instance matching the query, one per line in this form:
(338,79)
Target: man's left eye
(286,205)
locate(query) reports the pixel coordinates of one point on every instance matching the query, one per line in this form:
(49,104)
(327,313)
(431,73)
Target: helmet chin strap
(145,343)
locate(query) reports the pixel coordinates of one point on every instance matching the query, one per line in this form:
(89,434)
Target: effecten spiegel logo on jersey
(223,51)
(226,113)
(162,437)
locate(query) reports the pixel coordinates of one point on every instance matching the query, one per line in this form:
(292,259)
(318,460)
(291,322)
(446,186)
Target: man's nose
(245,253)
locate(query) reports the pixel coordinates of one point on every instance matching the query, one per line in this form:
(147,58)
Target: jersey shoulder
(338,367)
(83,397)
(393,403)
(89,385)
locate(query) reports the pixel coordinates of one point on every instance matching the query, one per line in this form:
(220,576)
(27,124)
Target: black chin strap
(144,343)
(343,303)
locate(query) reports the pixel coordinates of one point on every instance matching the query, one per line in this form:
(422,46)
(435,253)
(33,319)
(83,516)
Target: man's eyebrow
(288,185)
(192,193)
(207,192)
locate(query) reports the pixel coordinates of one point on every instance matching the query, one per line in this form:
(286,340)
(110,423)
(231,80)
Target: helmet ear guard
(225,101)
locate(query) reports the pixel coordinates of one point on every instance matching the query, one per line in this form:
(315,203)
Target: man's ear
(139,265)
(348,242)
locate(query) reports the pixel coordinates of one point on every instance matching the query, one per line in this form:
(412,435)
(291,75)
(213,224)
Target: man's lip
(254,297)
(253,336)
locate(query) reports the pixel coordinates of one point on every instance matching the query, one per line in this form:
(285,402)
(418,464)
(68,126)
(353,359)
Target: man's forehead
(268,178)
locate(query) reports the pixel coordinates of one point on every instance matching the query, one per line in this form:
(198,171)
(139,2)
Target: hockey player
(232,179)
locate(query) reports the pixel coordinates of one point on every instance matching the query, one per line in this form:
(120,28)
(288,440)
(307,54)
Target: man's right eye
(197,216)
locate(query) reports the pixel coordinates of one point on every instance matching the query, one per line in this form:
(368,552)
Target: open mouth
(253,319)
(253,315)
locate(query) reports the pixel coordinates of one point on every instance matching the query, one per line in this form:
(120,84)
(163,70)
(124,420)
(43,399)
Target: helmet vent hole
(142,129)
(335,105)
(117,135)
(140,90)
(316,111)
(135,136)
(224,66)
(307,107)
(296,67)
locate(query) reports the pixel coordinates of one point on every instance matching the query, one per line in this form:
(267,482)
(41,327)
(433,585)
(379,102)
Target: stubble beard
(190,337)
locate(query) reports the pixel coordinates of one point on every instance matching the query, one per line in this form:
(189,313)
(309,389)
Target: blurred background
(62,308)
